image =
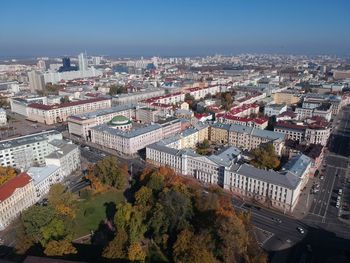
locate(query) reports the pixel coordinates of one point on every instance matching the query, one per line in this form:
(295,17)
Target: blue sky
(174,27)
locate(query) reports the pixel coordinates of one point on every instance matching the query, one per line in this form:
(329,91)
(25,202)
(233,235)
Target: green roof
(119,120)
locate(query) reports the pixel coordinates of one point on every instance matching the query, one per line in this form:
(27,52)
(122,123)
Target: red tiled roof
(64,105)
(7,189)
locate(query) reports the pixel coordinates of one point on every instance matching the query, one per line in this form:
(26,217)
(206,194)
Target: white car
(300,230)
(340,191)
(322,177)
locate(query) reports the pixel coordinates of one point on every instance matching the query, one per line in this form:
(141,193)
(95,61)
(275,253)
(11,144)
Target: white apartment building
(81,124)
(274,109)
(16,195)
(43,178)
(314,133)
(135,97)
(50,114)
(324,110)
(55,77)
(25,151)
(129,142)
(65,155)
(3,117)
(20,105)
(276,189)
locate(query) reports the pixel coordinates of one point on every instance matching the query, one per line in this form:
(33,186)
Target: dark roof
(31,259)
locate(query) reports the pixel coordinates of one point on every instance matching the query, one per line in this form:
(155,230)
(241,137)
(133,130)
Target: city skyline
(174,28)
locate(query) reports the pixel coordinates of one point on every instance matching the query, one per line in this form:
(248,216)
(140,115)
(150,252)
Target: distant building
(83,63)
(50,114)
(286,97)
(3,117)
(81,124)
(274,109)
(16,195)
(36,81)
(66,65)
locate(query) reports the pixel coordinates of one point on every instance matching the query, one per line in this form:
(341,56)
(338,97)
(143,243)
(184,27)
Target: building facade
(16,195)
(50,114)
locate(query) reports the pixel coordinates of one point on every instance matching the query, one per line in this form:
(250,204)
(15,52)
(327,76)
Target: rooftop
(98,113)
(127,134)
(39,174)
(64,105)
(8,188)
(28,139)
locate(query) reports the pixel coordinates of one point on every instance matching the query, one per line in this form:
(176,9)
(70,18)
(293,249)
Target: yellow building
(287,98)
(219,133)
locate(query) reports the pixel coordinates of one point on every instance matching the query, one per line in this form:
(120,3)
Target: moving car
(340,191)
(300,230)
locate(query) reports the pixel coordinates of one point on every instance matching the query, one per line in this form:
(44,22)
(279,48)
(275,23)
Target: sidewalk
(305,200)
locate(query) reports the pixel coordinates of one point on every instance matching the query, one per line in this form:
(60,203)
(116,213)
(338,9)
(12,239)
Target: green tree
(265,157)
(108,172)
(144,198)
(123,215)
(136,227)
(156,182)
(54,230)
(35,218)
(65,99)
(117,248)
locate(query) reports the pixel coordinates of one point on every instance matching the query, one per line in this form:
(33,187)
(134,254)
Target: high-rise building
(41,65)
(83,63)
(36,80)
(66,65)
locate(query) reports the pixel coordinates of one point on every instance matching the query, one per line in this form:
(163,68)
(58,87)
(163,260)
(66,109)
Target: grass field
(92,211)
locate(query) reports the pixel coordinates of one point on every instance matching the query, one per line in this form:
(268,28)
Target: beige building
(245,137)
(16,195)
(286,98)
(81,124)
(50,114)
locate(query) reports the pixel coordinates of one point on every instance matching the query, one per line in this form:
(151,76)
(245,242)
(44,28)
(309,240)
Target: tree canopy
(6,174)
(265,157)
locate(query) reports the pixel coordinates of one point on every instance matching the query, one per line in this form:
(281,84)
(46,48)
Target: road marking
(329,198)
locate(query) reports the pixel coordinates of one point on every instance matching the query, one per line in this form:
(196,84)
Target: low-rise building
(26,151)
(50,114)
(43,178)
(65,155)
(3,117)
(274,109)
(323,110)
(316,132)
(81,124)
(286,97)
(280,190)
(16,195)
(245,137)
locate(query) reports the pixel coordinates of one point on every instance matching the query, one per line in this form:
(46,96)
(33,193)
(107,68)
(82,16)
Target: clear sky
(174,27)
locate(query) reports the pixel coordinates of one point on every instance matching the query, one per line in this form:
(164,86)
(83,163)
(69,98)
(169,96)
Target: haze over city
(181,28)
(175,131)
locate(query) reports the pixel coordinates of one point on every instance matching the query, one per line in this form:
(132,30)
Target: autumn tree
(136,253)
(109,172)
(62,200)
(265,157)
(6,174)
(117,248)
(59,248)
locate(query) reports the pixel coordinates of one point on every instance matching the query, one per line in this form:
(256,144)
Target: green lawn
(91,212)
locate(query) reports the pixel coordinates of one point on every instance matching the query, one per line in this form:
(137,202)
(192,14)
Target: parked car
(340,191)
(321,177)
